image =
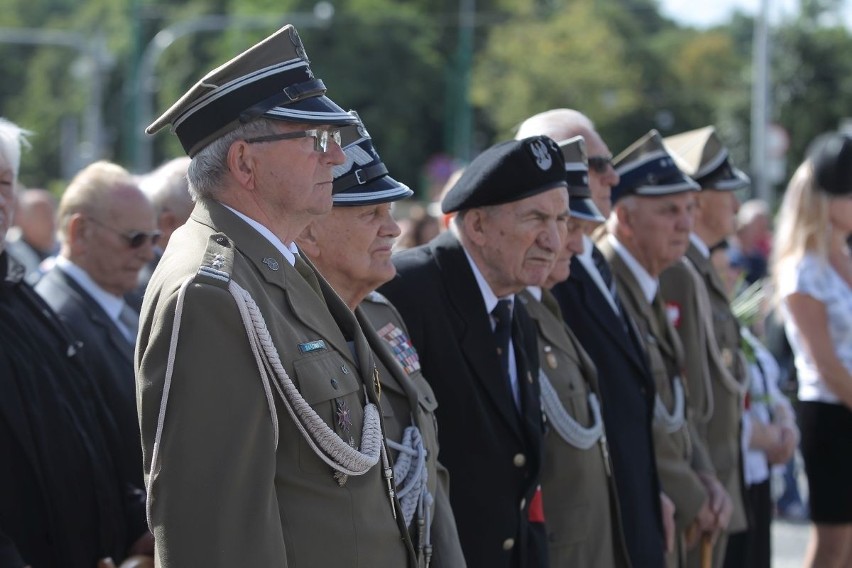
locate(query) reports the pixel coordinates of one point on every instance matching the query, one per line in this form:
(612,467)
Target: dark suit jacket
(492,451)
(108,357)
(62,501)
(627,392)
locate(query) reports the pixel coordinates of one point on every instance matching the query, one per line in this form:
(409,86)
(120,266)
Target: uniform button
(520,460)
(523,504)
(509,544)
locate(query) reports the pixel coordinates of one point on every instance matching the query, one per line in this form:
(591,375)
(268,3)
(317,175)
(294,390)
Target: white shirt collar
(110,303)
(699,244)
(488,296)
(586,255)
(288,251)
(647,283)
(535,292)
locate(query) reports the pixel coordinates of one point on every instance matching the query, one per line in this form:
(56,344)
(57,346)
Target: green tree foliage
(813,78)
(531,65)
(398,62)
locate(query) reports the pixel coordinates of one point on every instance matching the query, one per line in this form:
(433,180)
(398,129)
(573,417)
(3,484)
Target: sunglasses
(134,239)
(320,137)
(600,164)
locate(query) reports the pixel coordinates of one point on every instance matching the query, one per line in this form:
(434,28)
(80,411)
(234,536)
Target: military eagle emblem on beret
(543,159)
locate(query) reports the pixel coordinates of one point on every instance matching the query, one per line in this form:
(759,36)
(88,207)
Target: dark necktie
(502,314)
(603,267)
(606,273)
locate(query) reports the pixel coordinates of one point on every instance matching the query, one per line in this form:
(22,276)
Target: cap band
(219,108)
(360,177)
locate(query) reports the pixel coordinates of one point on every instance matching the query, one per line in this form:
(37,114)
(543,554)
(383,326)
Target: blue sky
(707,13)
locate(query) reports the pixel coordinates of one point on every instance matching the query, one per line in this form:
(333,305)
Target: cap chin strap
(288,95)
(359,177)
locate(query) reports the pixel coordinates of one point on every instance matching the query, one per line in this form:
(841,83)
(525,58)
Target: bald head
(107,227)
(564,123)
(559,124)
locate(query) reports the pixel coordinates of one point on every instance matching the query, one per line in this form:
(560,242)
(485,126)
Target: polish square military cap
(272,79)
(647,169)
(701,155)
(363,179)
(507,172)
(580,202)
(831,154)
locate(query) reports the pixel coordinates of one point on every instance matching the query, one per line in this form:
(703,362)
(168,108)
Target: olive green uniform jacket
(579,495)
(407,399)
(235,482)
(717,378)
(675,461)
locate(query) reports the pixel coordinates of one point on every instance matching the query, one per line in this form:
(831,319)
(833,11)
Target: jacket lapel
(271,265)
(603,314)
(477,341)
(551,329)
(96,314)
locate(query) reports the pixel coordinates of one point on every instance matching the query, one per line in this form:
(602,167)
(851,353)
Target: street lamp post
(759,105)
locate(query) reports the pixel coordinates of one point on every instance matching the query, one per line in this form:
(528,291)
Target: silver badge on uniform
(270,263)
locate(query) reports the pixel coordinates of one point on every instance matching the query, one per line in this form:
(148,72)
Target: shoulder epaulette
(218,261)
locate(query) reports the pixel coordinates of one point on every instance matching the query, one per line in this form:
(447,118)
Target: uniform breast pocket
(330,385)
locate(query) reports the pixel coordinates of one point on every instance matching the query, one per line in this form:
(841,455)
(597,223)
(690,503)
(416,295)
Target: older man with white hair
(591,307)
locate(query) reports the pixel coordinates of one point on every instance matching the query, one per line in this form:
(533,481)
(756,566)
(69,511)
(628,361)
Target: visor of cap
(272,79)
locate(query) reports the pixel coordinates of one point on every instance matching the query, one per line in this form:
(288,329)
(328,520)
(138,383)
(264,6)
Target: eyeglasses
(134,239)
(320,137)
(600,164)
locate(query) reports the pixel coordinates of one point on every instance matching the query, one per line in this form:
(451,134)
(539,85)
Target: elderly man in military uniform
(649,231)
(351,248)
(477,345)
(699,305)
(258,392)
(590,305)
(578,491)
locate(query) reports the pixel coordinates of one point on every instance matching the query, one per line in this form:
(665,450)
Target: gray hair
(166,187)
(210,165)
(12,138)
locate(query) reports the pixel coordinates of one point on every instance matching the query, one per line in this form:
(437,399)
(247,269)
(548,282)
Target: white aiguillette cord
(569,429)
(324,441)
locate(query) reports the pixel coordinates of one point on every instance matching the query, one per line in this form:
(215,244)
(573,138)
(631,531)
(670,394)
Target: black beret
(507,172)
(831,154)
(272,79)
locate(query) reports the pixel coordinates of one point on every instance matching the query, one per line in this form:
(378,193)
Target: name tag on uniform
(310,346)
